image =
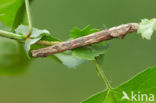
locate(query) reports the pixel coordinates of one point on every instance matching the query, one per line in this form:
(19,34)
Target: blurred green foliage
(10,10)
(12,57)
(47,81)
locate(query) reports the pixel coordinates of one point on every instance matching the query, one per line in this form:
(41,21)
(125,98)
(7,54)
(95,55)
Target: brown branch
(115,32)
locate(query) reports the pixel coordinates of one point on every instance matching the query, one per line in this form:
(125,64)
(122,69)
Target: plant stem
(47,43)
(22,37)
(29,17)
(102,75)
(11,35)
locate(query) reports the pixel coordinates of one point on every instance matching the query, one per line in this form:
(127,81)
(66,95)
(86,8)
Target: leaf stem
(47,43)
(29,18)
(102,75)
(22,37)
(11,35)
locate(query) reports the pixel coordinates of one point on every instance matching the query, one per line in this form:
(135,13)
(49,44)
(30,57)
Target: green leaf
(29,43)
(76,32)
(12,57)
(10,11)
(36,35)
(91,51)
(142,84)
(146,28)
(49,38)
(69,60)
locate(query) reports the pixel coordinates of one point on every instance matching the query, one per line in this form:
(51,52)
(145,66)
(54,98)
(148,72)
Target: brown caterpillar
(115,32)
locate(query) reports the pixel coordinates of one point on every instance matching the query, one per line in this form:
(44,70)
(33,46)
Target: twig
(29,18)
(46,43)
(115,32)
(11,35)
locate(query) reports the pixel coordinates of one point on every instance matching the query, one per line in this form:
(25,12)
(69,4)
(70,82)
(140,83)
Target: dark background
(47,81)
